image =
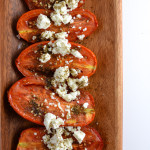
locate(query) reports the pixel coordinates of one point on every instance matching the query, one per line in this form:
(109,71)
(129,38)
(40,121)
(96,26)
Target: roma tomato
(27,28)
(44,4)
(29,141)
(29,65)
(31,99)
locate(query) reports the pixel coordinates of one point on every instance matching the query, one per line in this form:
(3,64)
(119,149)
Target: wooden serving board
(105,85)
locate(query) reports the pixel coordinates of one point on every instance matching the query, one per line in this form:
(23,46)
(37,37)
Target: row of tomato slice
(22,94)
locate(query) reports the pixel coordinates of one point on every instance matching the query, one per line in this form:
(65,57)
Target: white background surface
(136,53)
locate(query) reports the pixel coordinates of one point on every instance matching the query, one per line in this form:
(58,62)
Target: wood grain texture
(105,85)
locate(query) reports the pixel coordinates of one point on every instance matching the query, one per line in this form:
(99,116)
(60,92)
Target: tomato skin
(26,31)
(29,65)
(27,97)
(33,5)
(29,141)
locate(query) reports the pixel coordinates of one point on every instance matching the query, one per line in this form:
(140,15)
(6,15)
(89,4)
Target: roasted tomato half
(31,99)
(29,65)
(85,25)
(29,140)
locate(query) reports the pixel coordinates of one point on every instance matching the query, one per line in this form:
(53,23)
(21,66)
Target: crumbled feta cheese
(85,105)
(63,115)
(74,84)
(83,81)
(35,133)
(52,95)
(85,29)
(45,100)
(79,128)
(80,28)
(79,135)
(71,129)
(61,35)
(68,112)
(50,121)
(81,37)
(74,72)
(45,58)
(60,7)
(73,27)
(61,74)
(43,22)
(67,18)
(56,18)
(47,35)
(70,61)
(72,21)
(72,4)
(33,37)
(76,54)
(67,97)
(56,142)
(59,106)
(78,16)
(61,46)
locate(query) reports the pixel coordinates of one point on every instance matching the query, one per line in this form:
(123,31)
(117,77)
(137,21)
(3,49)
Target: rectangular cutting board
(105,84)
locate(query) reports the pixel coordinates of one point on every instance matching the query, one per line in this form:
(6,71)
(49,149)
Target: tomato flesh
(29,141)
(29,65)
(26,25)
(27,97)
(43,4)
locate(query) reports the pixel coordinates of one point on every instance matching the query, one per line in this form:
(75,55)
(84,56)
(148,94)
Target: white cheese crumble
(80,28)
(79,135)
(72,4)
(56,142)
(52,95)
(78,16)
(35,133)
(45,100)
(47,35)
(61,74)
(50,121)
(67,97)
(61,46)
(81,37)
(60,7)
(45,58)
(74,84)
(67,19)
(72,21)
(43,22)
(76,54)
(85,105)
(74,72)
(61,35)
(33,37)
(68,116)
(85,29)
(56,18)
